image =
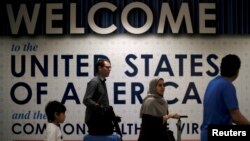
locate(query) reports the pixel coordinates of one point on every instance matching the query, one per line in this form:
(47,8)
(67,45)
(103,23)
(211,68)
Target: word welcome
(61,18)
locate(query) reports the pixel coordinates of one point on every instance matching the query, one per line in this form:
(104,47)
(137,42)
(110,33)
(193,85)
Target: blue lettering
(67,58)
(164,59)
(80,65)
(136,93)
(181,63)
(146,58)
(14,128)
(40,91)
(134,73)
(191,87)
(70,87)
(213,65)
(29,94)
(119,92)
(173,101)
(35,62)
(13,66)
(195,64)
(55,64)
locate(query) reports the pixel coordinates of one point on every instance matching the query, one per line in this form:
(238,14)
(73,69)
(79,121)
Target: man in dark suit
(97,102)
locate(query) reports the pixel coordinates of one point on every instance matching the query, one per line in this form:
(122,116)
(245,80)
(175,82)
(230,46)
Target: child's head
(55,112)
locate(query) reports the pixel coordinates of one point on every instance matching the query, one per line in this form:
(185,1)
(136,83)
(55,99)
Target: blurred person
(55,112)
(220,106)
(154,114)
(99,115)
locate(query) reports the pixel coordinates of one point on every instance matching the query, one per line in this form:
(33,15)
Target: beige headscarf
(154,104)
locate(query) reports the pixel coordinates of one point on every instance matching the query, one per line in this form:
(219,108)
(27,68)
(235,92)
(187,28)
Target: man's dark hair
(230,65)
(100,63)
(54,107)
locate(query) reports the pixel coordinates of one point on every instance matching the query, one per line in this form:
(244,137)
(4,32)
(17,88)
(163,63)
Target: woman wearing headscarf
(154,113)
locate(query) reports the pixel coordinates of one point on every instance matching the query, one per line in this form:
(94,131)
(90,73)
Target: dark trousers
(100,126)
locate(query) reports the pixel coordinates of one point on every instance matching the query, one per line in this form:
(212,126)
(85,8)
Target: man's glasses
(107,67)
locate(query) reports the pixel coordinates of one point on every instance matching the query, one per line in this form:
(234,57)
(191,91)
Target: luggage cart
(179,127)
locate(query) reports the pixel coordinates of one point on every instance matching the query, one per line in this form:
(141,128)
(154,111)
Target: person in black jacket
(154,113)
(96,100)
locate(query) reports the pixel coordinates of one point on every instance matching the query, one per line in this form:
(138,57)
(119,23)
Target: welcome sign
(42,59)
(46,17)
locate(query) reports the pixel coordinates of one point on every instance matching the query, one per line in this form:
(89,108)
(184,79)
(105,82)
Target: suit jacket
(96,96)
